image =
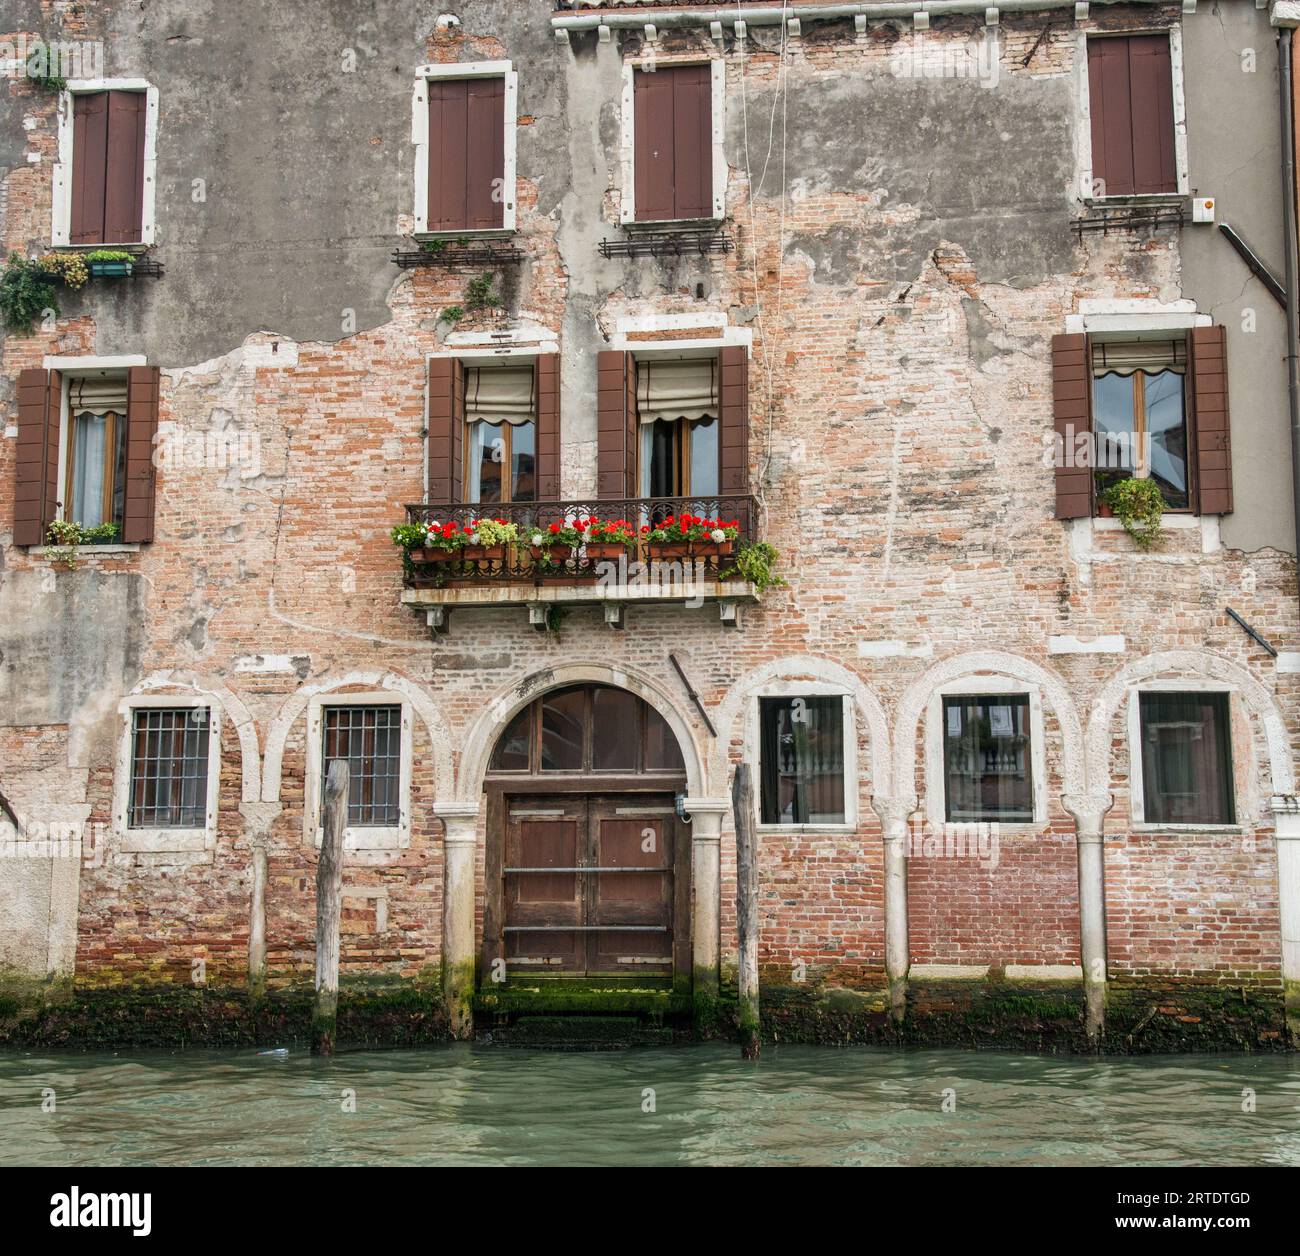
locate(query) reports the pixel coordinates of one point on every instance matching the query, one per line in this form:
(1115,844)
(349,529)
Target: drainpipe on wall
(1292,278)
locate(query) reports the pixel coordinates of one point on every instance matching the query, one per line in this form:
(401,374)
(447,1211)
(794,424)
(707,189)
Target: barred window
(169,768)
(370,739)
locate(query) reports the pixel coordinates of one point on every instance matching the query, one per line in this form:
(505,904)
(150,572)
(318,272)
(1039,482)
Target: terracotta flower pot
(605,550)
(557,552)
(434,556)
(483,553)
(669,549)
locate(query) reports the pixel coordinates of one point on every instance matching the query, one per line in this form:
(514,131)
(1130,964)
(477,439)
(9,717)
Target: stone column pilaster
(1089,813)
(460,825)
(258,819)
(1286,820)
(706,898)
(894,813)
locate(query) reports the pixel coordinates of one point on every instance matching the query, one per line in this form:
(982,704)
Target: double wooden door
(590,884)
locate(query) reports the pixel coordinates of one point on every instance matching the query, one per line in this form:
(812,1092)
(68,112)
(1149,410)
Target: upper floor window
(678,419)
(104,177)
(1131,101)
(500,434)
(1139,414)
(464,129)
(1186,758)
(672,113)
(95,479)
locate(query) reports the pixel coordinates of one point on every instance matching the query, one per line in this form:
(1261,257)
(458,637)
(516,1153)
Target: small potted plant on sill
(64,537)
(606,538)
(687,535)
(1138,504)
(488,540)
(110,263)
(554,545)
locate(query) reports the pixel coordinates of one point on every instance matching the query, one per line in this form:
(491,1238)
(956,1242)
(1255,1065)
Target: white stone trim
(936,778)
(420,140)
(1068,644)
(91,362)
(785,688)
(1244,804)
(363,837)
(170,840)
(627,143)
(1083,117)
(61,205)
(1133,318)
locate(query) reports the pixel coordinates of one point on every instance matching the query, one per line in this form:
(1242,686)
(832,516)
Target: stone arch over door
(510,700)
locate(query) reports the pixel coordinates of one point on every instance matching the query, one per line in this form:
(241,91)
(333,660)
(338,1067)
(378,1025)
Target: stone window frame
(420,140)
(936,776)
(1240,750)
(61,205)
(169,841)
(363,837)
(627,139)
(1083,120)
(753,750)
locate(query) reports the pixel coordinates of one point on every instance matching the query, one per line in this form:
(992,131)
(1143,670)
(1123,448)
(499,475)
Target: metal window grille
(370,739)
(169,768)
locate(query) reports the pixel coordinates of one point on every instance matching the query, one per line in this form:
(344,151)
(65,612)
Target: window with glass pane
(1139,414)
(801,760)
(369,739)
(500,434)
(169,768)
(96,468)
(986,755)
(564,720)
(1186,758)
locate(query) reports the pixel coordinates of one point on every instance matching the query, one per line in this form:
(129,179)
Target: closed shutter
(547,392)
(141,433)
(1130,92)
(733,399)
(1209,356)
(1071,412)
(124,181)
(108,167)
(36,489)
(673,143)
(446,430)
(466,154)
(615,425)
(89,166)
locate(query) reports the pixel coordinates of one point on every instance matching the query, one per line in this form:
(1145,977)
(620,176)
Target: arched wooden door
(588,866)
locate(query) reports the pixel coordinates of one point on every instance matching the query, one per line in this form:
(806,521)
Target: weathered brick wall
(898,406)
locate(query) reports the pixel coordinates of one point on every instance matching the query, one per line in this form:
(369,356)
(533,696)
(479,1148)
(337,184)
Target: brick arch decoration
(958,667)
(828,672)
(1261,705)
(295,706)
(231,707)
(510,700)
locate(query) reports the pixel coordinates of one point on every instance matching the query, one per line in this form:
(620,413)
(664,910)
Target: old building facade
(873,283)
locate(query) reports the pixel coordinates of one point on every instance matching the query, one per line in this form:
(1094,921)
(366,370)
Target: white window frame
(61,208)
(1083,122)
(936,775)
(754,751)
(1241,805)
(420,139)
(718,83)
(363,837)
(171,840)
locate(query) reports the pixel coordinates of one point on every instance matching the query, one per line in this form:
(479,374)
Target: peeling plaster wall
(904,255)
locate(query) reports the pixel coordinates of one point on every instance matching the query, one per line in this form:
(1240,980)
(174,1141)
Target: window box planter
(435,556)
(595,551)
(483,553)
(558,554)
(111,270)
(690,549)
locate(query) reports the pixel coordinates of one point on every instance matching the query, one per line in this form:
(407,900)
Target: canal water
(686,1106)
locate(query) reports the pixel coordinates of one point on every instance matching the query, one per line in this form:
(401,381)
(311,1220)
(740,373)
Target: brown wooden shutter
(547,391)
(89,166)
(467,154)
(733,406)
(141,433)
(615,424)
(673,143)
(1130,91)
(36,488)
(1072,411)
(124,179)
(485,172)
(446,430)
(1208,351)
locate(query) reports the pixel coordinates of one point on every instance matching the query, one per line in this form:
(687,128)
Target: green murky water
(797,1105)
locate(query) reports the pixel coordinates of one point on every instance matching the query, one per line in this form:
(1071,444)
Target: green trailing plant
(756,563)
(26,292)
(48,82)
(64,536)
(106,255)
(452,314)
(1138,505)
(480,294)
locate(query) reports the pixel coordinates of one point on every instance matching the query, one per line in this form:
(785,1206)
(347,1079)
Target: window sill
(1137,198)
(671,224)
(1173,521)
(1227,830)
(478,233)
(164,841)
(137,248)
(84,551)
(360,840)
(828,830)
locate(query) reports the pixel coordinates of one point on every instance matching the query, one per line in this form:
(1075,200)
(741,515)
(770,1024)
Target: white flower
(717,536)
(537,539)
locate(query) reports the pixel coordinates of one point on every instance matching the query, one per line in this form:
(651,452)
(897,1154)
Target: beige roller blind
(97,394)
(1123,357)
(499,394)
(677,389)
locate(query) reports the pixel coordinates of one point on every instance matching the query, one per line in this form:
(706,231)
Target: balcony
(546,578)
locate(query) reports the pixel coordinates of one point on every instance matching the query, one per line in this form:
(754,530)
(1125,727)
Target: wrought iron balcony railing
(522,563)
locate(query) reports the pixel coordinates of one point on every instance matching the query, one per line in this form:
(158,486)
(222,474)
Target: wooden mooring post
(742,806)
(329,909)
